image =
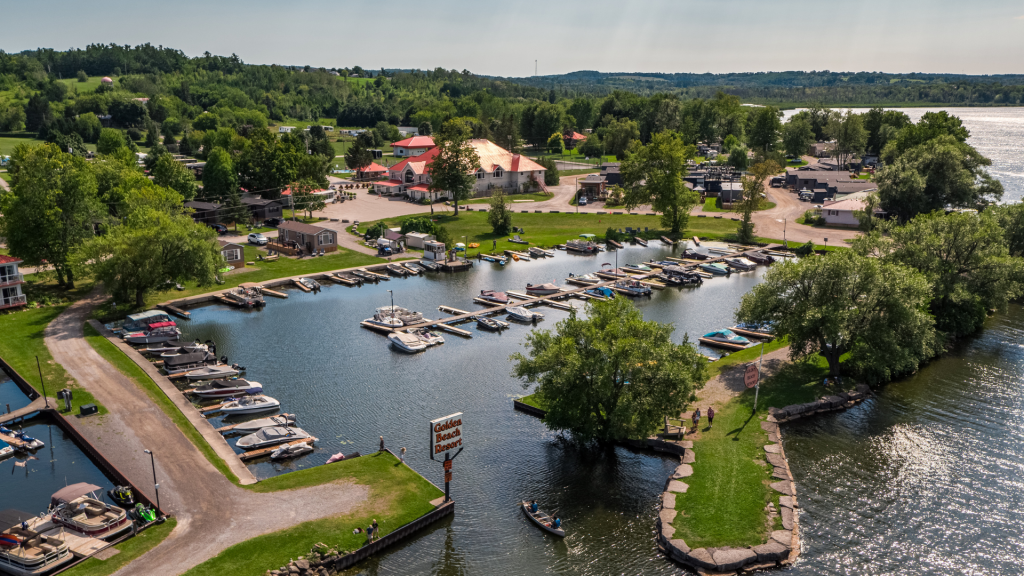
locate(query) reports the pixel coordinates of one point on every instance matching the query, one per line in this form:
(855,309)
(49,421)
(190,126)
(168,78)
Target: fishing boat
(539,252)
(583,279)
(523,315)
(581,246)
(640,241)
(542,289)
(407,342)
(160,333)
(726,336)
(397,270)
(694,255)
(761,258)
(78,510)
(541,519)
(494,296)
(310,283)
(5,450)
(427,336)
(215,371)
(291,451)
(633,288)
(24,440)
(715,268)
(250,404)
(365,275)
(636,268)
(600,292)
(173,345)
(26,551)
(490,324)
(740,263)
(122,496)
(414,267)
(189,361)
(226,388)
(261,423)
(271,436)
(430,265)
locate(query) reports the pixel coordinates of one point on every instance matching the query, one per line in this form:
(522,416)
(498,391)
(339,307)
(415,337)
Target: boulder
(781,473)
(682,471)
(677,486)
(778,413)
(845,396)
(863,389)
(729,559)
(700,558)
(677,549)
(770,427)
(302,564)
(775,460)
(836,401)
(688,457)
(773,437)
(783,486)
(685,443)
(293,569)
(771,552)
(668,500)
(668,515)
(787,501)
(787,518)
(773,449)
(795,409)
(784,537)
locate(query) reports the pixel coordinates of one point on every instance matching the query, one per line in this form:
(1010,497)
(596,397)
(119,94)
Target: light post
(577,194)
(784,221)
(155,485)
(392,303)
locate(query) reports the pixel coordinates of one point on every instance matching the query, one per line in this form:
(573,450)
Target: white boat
(30,551)
(726,336)
(405,315)
(271,436)
(190,361)
(250,405)
(226,388)
(523,315)
(741,263)
(414,267)
(310,283)
(636,267)
(633,288)
(715,268)
(174,345)
(153,336)
(430,265)
(585,278)
(291,451)
(211,372)
(184,350)
(261,423)
(79,510)
(542,289)
(407,342)
(5,450)
(385,321)
(427,336)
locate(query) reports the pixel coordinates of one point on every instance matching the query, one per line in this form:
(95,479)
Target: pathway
(212,513)
(729,382)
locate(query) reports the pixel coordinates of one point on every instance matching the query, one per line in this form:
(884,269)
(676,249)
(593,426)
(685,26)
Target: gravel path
(729,383)
(212,513)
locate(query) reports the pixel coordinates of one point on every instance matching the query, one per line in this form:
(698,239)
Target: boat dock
(753,333)
(302,286)
(273,293)
(723,345)
(253,454)
(175,310)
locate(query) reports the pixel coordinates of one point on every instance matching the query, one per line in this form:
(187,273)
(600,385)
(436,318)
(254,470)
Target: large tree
(220,179)
(358,157)
(110,140)
(845,303)
(763,128)
(305,199)
(847,130)
(51,208)
(265,167)
(797,137)
(172,174)
(753,195)
(653,174)
(618,135)
(452,168)
(500,214)
(610,375)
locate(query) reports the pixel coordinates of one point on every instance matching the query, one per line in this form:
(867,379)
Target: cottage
(260,209)
(233,254)
(418,239)
(610,173)
(841,213)
(820,149)
(204,212)
(593,187)
(307,236)
(285,129)
(372,172)
(10,283)
(412,146)
(573,139)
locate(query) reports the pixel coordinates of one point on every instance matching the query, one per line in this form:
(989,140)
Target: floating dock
(176,311)
(273,293)
(252,454)
(753,333)
(723,345)
(302,286)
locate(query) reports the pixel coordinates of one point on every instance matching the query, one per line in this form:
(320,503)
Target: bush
(551,171)
(425,201)
(135,134)
(82,76)
(805,249)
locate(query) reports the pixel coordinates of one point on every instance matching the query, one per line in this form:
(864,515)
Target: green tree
(867,217)
(170,173)
(584,112)
(305,199)
(424,129)
(264,165)
(51,207)
(965,258)
(931,126)
(591,147)
(82,76)
(1011,219)
(220,180)
(551,177)
(739,158)
(205,121)
(452,168)
(318,142)
(357,157)
(850,137)
(500,214)
(556,145)
(88,127)
(109,141)
(847,304)
(882,126)
(152,135)
(797,137)
(653,174)
(610,375)
(12,118)
(753,194)
(763,128)
(618,135)
(730,143)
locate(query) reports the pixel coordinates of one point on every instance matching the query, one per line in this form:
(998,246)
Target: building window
(325,238)
(498,173)
(231,255)
(409,177)
(479,174)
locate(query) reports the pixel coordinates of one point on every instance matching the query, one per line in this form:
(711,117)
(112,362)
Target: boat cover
(407,339)
(187,359)
(494,295)
(137,321)
(156,325)
(69,493)
(548,286)
(225,384)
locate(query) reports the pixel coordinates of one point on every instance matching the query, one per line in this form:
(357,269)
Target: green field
(8,143)
(398,495)
(83,87)
(128,550)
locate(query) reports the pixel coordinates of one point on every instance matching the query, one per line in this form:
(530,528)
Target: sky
(505,38)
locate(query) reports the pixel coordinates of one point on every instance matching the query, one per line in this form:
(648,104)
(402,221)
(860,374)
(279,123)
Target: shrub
(135,134)
(805,249)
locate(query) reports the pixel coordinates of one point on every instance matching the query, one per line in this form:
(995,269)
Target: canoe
(541,519)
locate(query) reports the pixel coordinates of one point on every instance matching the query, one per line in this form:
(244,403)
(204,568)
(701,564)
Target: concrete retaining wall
(21,382)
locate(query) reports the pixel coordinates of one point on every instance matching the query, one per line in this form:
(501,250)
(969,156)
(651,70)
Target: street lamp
(784,221)
(155,485)
(577,194)
(392,303)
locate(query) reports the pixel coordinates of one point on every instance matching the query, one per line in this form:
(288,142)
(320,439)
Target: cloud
(1019,18)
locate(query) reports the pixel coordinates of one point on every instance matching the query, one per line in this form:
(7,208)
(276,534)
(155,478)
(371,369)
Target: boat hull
(549,529)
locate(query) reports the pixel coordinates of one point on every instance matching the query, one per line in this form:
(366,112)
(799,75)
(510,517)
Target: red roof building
(372,172)
(412,146)
(573,139)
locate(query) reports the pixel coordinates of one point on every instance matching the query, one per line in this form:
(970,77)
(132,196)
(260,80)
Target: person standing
(711,417)
(696,419)
(376,530)
(381,444)
(401,455)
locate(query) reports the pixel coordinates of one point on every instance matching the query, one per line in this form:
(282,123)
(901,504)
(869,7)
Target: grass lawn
(301,216)
(130,550)
(724,505)
(89,86)
(5,176)
(535,196)
(796,163)
(398,495)
(711,205)
(743,356)
(532,400)
(129,368)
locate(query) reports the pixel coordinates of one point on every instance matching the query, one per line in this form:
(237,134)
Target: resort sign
(751,375)
(445,435)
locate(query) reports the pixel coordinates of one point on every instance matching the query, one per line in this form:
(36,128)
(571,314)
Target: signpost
(445,436)
(752,376)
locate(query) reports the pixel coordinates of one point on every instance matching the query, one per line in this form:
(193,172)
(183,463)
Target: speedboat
(385,321)
(542,289)
(226,388)
(490,323)
(585,278)
(310,283)
(636,268)
(429,337)
(216,371)
(26,551)
(542,520)
(715,268)
(694,255)
(523,315)
(183,350)
(494,296)
(257,425)
(600,292)
(407,342)
(5,450)
(163,333)
(741,263)
(174,345)
(250,405)
(190,361)
(78,510)
(726,337)
(430,265)
(271,436)
(633,288)
(291,451)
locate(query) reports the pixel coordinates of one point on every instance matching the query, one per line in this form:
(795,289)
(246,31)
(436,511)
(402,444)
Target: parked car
(220,228)
(257,239)
(272,222)
(583,201)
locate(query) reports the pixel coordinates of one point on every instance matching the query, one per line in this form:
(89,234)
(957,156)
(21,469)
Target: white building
(414,146)
(841,213)
(285,129)
(10,283)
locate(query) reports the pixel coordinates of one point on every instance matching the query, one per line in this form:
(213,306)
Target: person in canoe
(533,506)
(556,524)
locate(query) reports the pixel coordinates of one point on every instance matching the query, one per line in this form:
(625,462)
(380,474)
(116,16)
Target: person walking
(381,444)
(376,530)
(401,455)
(711,417)
(696,419)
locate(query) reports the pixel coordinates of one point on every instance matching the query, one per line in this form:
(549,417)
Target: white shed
(433,250)
(418,239)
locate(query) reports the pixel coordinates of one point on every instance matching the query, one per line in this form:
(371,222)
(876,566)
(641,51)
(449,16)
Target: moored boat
(5,450)
(761,258)
(583,279)
(310,283)
(600,292)
(413,267)
(494,296)
(633,288)
(271,436)
(694,255)
(740,263)
(430,265)
(715,268)
(490,324)
(122,496)
(226,388)
(398,270)
(161,333)
(542,289)
(78,510)
(261,423)
(143,321)
(251,297)
(538,252)
(291,451)
(636,268)
(726,336)
(407,342)
(522,314)
(250,405)
(541,519)
(640,241)
(581,246)
(190,361)
(24,548)
(427,336)
(216,371)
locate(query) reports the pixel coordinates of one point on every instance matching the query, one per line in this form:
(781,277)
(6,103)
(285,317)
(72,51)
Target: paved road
(212,512)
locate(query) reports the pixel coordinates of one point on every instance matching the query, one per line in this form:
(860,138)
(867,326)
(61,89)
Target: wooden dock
(373,275)
(252,454)
(450,310)
(753,333)
(302,286)
(723,345)
(273,293)
(14,442)
(342,280)
(176,311)
(368,276)
(668,241)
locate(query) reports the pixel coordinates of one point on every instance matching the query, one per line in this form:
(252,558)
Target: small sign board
(751,375)
(445,434)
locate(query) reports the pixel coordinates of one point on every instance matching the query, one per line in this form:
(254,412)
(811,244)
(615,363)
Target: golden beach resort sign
(445,434)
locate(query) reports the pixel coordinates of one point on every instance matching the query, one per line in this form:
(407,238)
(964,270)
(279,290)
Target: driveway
(212,513)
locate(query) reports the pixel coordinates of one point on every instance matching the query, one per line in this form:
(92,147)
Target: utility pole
(46,400)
